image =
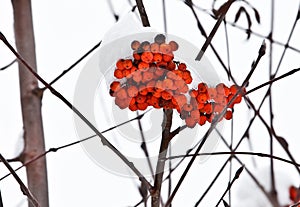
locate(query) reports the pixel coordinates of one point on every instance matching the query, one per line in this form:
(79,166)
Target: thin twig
(73,65)
(272,173)
(8,65)
(71,144)
(237,175)
(212,182)
(145,150)
(273,80)
(144,145)
(214,30)
(111,7)
(24,189)
(248,30)
(259,154)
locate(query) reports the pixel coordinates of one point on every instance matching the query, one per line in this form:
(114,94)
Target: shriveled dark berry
(160,38)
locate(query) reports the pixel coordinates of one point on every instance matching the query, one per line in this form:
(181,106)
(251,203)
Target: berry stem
(166,138)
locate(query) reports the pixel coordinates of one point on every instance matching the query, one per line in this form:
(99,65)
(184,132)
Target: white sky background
(65,30)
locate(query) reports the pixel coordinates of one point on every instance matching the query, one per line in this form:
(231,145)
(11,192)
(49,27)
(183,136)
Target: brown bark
(160,166)
(30,103)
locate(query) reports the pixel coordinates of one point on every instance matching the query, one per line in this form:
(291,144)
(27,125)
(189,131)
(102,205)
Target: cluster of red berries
(154,78)
(207,102)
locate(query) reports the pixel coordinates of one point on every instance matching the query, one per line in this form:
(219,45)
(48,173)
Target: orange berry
(190,122)
(165,48)
(118,74)
(132,101)
(208,108)
(132,91)
(179,100)
(212,93)
(137,76)
(135,44)
(157,57)
(218,108)
(187,107)
(233,89)
(195,114)
(210,117)
(228,115)
(155,102)
(180,83)
(136,55)
(188,80)
(220,99)
(159,72)
(150,86)
(156,94)
(168,57)
(154,47)
(115,85)
(120,64)
(140,98)
(222,89)
(121,103)
(171,65)
(182,66)
(145,45)
(142,106)
(143,66)
(133,107)
(126,73)
(202,87)
(179,73)
(162,64)
(127,64)
(237,100)
(147,76)
(147,57)
(183,89)
(160,38)
(133,69)
(186,74)
(200,106)
(202,120)
(174,45)
(143,91)
(201,97)
(121,94)
(172,75)
(167,95)
(193,93)
(167,84)
(159,86)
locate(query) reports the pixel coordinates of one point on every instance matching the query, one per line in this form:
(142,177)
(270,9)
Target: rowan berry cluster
(153,78)
(207,102)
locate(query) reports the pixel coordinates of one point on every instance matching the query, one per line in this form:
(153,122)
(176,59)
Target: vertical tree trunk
(30,103)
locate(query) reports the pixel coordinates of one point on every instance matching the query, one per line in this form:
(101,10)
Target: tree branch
(30,103)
